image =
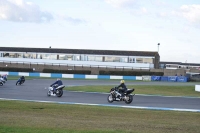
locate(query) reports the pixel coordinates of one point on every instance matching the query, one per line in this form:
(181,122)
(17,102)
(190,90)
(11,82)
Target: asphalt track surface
(34,90)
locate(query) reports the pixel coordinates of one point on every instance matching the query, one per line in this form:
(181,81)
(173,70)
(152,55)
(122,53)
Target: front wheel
(110,98)
(129,99)
(17,83)
(59,93)
(49,93)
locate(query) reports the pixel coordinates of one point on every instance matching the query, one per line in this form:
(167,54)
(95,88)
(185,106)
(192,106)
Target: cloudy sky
(137,25)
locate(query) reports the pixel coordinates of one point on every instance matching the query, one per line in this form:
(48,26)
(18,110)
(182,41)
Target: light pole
(158,47)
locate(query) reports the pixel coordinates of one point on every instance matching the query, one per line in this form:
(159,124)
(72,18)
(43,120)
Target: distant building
(178,65)
(135,59)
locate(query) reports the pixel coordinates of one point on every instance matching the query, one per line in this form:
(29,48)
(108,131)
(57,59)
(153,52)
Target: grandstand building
(134,59)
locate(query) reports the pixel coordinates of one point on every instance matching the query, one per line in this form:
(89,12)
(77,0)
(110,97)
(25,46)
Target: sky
(133,25)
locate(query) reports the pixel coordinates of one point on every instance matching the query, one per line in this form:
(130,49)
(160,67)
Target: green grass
(146,89)
(28,117)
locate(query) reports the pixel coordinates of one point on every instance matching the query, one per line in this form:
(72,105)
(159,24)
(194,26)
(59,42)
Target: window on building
(95,58)
(124,59)
(131,59)
(45,56)
(112,59)
(139,60)
(53,57)
(76,57)
(69,57)
(39,56)
(83,58)
(62,57)
(147,60)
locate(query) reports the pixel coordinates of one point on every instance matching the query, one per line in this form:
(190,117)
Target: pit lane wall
(82,76)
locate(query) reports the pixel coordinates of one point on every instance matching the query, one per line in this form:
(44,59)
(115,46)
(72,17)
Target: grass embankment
(27,117)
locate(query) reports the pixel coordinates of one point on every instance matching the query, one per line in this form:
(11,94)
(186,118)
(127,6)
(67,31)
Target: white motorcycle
(58,92)
(2,81)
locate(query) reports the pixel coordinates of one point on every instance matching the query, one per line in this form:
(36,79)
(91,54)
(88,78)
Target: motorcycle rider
(56,84)
(123,88)
(4,78)
(22,78)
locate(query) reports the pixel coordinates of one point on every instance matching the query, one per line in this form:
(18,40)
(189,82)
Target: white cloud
(74,20)
(189,12)
(132,6)
(21,11)
(122,3)
(143,10)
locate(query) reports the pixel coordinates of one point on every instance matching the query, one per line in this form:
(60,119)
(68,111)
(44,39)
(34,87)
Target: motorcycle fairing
(60,87)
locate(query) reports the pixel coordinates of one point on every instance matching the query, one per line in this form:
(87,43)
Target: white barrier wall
(197,88)
(146,78)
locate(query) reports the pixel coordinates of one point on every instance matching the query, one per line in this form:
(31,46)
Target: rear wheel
(1,84)
(128,99)
(59,93)
(110,98)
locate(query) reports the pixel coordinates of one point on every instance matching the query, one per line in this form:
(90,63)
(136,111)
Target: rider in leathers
(56,84)
(123,86)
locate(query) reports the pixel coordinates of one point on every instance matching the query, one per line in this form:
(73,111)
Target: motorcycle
(114,95)
(3,80)
(1,83)
(58,93)
(20,82)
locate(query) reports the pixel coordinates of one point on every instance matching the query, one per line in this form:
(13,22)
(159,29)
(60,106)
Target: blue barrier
(79,76)
(129,77)
(103,77)
(155,78)
(164,78)
(182,79)
(13,73)
(34,74)
(56,75)
(172,78)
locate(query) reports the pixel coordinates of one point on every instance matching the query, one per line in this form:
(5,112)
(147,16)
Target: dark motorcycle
(58,92)
(20,82)
(114,95)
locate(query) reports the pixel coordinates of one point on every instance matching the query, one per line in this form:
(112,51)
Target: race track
(33,90)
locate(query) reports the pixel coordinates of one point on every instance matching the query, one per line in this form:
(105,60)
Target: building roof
(169,62)
(180,63)
(79,51)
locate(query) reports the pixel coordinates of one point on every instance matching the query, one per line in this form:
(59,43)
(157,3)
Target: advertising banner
(155,78)
(164,78)
(182,79)
(172,78)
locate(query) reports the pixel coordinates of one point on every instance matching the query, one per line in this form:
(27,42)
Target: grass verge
(146,89)
(28,117)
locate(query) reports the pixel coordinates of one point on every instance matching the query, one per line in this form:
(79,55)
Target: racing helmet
(58,79)
(122,81)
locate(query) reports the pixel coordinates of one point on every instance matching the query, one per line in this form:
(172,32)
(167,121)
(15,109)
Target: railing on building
(72,65)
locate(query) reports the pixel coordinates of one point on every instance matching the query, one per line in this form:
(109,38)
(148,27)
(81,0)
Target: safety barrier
(170,78)
(82,76)
(75,76)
